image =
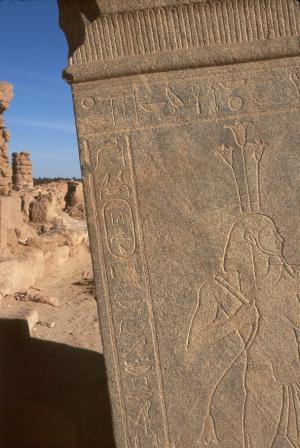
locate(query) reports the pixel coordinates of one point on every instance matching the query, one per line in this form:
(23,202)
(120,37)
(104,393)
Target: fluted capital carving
(148,36)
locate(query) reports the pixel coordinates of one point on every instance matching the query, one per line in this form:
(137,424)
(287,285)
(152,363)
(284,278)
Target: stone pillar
(22,170)
(5,208)
(6,205)
(10,217)
(6,95)
(187,116)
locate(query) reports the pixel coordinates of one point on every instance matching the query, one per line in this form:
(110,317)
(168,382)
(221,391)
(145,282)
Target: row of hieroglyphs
(179,101)
(128,291)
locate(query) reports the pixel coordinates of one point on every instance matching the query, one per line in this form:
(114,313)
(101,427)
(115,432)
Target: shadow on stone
(52,395)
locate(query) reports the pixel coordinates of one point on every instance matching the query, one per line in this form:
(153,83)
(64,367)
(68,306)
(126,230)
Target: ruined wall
(6,95)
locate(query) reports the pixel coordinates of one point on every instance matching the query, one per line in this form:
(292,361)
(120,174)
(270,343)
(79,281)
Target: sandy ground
(75,320)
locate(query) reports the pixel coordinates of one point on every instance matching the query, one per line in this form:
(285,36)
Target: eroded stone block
(10,217)
(191,177)
(22,170)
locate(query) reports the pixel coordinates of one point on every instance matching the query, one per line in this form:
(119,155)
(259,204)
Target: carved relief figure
(253,304)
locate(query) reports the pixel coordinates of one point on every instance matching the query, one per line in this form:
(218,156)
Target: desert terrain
(61,299)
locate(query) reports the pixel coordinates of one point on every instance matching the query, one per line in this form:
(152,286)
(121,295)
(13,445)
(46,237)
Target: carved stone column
(187,116)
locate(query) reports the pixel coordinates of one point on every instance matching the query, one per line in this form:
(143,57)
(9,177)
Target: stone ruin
(71,197)
(20,175)
(10,202)
(21,170)
(9,208)
(6,95)
(74,204)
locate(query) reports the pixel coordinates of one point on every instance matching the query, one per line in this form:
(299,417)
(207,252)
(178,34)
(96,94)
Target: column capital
(126,38)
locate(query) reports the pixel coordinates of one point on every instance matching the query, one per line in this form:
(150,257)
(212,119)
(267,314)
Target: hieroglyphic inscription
(127,285)
(104,116)
(194,98)
(198,24)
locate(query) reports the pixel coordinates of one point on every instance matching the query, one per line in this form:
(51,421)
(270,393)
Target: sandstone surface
(21,272)
(187,116)
(43,208)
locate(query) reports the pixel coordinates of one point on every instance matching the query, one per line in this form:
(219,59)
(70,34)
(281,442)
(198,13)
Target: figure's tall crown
(244,158)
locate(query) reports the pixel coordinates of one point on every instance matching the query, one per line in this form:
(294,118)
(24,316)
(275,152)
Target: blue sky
(33,53)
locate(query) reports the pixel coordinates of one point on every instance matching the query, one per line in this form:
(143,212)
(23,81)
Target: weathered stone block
(18,274)
(10,217)
(42,209)
(187,117)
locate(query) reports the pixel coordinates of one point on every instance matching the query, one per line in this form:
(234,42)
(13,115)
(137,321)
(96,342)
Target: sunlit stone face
(180,160)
